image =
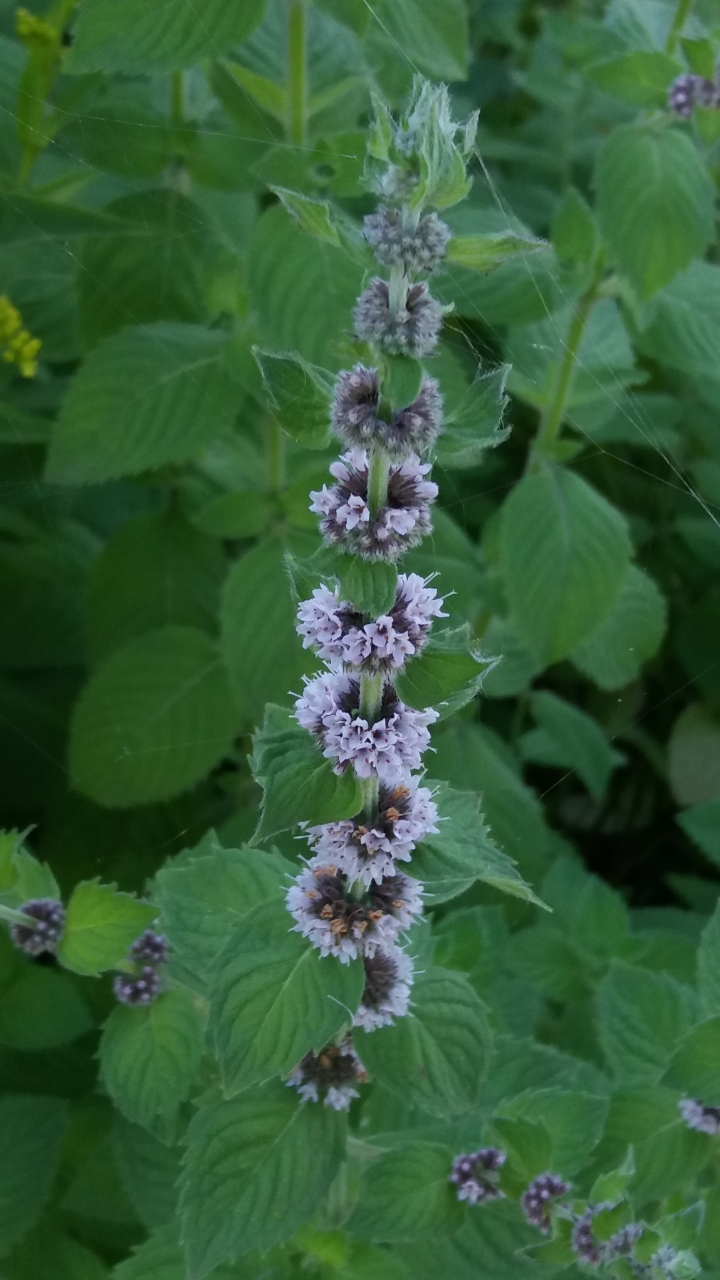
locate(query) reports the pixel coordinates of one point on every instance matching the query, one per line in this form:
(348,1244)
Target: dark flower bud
(150,948)
(473,1175)
(141,990)
(46,933)
(412,330)
(330,1074)
(591,1251)
(681,96)
(416,250)
(535,1199)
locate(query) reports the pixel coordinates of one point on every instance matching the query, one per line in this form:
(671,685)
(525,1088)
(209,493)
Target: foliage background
(148,498)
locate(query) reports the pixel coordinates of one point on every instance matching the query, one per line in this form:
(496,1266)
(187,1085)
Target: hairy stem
(16,917)
(554,414)
(682,13)
(397,289)
(377,481)
(371,688)
(297,88)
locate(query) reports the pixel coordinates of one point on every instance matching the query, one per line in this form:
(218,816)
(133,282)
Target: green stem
(682,13)
(370,788)
(275,457)
(397,290)
(297,88)
(554,414)
(371,688)
(16,917)
(377,481)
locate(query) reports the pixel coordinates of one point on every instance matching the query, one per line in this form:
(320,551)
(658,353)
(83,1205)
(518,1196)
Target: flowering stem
(397,289)
(17,917)
(370,696)
(682,13)
(377,481)
(275,457)
(297,73)
(370,788)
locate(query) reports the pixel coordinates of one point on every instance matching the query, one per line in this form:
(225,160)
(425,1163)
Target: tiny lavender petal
(141,990)
(388,979)
(339,922)
(535,1200)
(46,933)
(418,249)
(413,330)
(150,948)
(473,1175)
(333,1072)
(399,525)
(697,1116)
(368,851)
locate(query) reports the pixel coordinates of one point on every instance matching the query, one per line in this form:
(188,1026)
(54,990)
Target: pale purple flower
(399,525)
(149,948)
(697,1116)
(389,749)
(417,249)
(535,1200)
(473,1173)
(141,990)
(388,979)
(412,330)
(593,1252)
(339,633)
(411,429)
(342,923)
(368,851)
(45,934)
(688,91)
(333,1073)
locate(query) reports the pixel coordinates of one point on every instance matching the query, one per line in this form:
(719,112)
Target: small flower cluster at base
(697,1116)
(339,633)
(17,345)
(332,1074)
(535,1199)
(688,91)
(593,1252)
(388,979)
(355,415)
(150,951)
(400,524)
(367,851)
(470,1175)
(45,934)
(412,330)
(389,748)
(415,249)
(341,924)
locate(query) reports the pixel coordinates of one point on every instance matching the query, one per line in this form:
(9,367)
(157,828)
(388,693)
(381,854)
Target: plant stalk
(297,86)
(377,481)
(275,457)
(17,917)
(682,13)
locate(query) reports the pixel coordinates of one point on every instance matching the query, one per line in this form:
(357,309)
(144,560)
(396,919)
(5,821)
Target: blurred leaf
(31,1135)
(406,1194)
(642,1017)
(630,635)
(42,1009)
(694,756)
(694,1068)
(486,252)
(122,35)
(571,739)
(702,824)
(476,423)
(300,395)
(641,78)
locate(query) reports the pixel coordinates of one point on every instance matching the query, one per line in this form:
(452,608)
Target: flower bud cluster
(351,899)
(46,932)
(536,1199)
(473,1175)
(148,953)
(697,1116)
(690,91)
(593,1252)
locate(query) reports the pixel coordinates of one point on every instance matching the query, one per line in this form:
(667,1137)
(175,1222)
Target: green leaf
(432,34)
(32,1130)
(476,422)
(446,675)
(42,1009)
(144,398)
(157,1258)
(486,252)
(655,203)
(564,556)
(488,1244)
(153,719)
(682,326)
(708,961)
(260,644)
(641,78)
(694,1066)
(574,231)
(642,1016)
(702,824)
(241,514)
(628,637)
(273,998)
(370,585)
(27,218)
(199,904)
(517,664)
(314,217)
(257,1167)
(149,1059)
(570,739)
(603,365)
(157,571)
(100,926)
(300,395)
(574,1122)
(406,1194)
(149,1171)
(123,35)
(298,783)
(462,852)
(437,1054)
(611,1186)
(694,756)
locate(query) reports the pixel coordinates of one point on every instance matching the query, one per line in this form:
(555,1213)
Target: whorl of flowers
(351,899)
(44,934)
(473,1175)
(536,1199)
(690,91)
(697,1116)
(143,986)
